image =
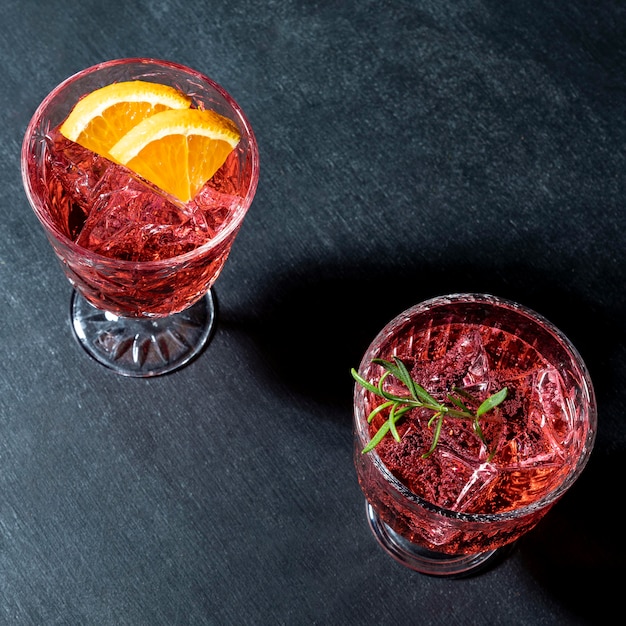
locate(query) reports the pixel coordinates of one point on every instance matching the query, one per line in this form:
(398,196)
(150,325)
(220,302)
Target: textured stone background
(408,149)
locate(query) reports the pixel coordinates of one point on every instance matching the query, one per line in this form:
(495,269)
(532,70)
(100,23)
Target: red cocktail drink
(131,250)
(448,511)
(137,251)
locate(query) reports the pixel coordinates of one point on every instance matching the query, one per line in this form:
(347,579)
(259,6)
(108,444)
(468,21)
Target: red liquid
(539,434)
(106,209)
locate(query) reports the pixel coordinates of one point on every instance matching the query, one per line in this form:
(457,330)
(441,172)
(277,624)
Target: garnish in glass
(418,397)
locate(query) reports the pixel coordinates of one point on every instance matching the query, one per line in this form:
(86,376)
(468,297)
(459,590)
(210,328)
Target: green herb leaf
(359,379)
(457,402)
(392,423)
(377,410)
(377,438)
(492,401)
(424,396)
(404,375)
(436,435)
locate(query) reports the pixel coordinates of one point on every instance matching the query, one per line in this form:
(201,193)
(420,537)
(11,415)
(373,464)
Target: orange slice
(102,117)
(178,150)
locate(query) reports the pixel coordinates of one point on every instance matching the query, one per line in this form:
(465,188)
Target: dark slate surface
(408,149)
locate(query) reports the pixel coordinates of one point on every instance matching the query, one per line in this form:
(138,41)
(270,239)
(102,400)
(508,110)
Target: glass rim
(512,514)
(237,216)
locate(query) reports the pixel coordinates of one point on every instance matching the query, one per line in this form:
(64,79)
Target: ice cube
(132,220)
(71,173)
(216,207)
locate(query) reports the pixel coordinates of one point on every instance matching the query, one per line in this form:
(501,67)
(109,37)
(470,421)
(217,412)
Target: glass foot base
(143,347)
(426,561)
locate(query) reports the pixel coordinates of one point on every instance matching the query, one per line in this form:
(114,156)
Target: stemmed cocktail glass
(457,483)
(139,318)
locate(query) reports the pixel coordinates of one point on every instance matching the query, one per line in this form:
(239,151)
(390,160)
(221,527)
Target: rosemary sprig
(418,397)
